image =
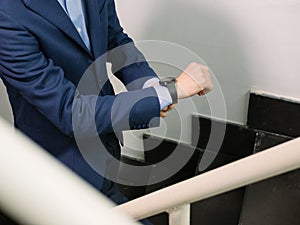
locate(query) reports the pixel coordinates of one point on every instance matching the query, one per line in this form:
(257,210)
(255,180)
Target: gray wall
(5,109)
(250,44)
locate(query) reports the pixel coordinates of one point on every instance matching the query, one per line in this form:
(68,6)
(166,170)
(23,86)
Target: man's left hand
(163,112)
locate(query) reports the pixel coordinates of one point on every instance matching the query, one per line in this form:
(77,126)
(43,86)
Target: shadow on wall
(5,109)
(213,35)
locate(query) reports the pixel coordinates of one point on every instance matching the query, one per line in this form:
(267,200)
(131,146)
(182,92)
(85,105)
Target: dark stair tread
(275,201)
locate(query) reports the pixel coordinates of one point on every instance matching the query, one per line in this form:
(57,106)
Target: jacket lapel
(93,20)
(54,13)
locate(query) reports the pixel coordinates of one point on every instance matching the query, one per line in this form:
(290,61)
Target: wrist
(180,93)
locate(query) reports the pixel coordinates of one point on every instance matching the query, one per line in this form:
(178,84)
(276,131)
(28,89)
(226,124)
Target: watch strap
(169,82)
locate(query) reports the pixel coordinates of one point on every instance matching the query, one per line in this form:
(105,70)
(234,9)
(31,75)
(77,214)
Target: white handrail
(36,189)
(260,166)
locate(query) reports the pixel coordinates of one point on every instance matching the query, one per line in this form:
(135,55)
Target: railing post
(180,215)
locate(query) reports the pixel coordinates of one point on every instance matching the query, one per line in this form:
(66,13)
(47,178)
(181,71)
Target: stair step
(274,114)
(275,201)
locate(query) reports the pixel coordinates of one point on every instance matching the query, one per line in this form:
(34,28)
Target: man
(46,47)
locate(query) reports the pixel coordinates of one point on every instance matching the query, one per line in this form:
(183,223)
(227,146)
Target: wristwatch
(169,82)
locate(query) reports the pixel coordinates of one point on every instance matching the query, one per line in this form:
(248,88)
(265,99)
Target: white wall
(248,44)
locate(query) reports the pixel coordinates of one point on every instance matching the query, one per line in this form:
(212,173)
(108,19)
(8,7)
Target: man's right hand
(195,79)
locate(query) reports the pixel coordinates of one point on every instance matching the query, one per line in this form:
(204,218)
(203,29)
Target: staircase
(275,201)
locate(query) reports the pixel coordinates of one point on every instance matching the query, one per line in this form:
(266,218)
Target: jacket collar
(52,11)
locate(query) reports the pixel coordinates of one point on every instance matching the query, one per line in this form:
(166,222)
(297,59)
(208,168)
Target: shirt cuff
(163,93)
(164,96)
(151,82)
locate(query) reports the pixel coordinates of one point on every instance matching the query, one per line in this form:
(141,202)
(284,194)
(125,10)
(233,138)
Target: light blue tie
(74,9)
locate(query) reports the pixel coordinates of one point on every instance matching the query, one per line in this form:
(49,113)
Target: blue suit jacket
(42,59)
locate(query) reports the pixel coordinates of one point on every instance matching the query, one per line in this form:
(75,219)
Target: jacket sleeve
(42,84)
(128,63)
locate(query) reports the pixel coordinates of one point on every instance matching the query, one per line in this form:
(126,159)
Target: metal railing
(177,198)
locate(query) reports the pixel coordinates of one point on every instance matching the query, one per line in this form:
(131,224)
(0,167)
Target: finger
(202,92)
(165,109)
(171,107)
(163,114)
(211,86)
(207,90)
(205,69)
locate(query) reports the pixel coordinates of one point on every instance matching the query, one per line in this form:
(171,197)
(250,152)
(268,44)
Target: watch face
(165,82)
(167,79)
